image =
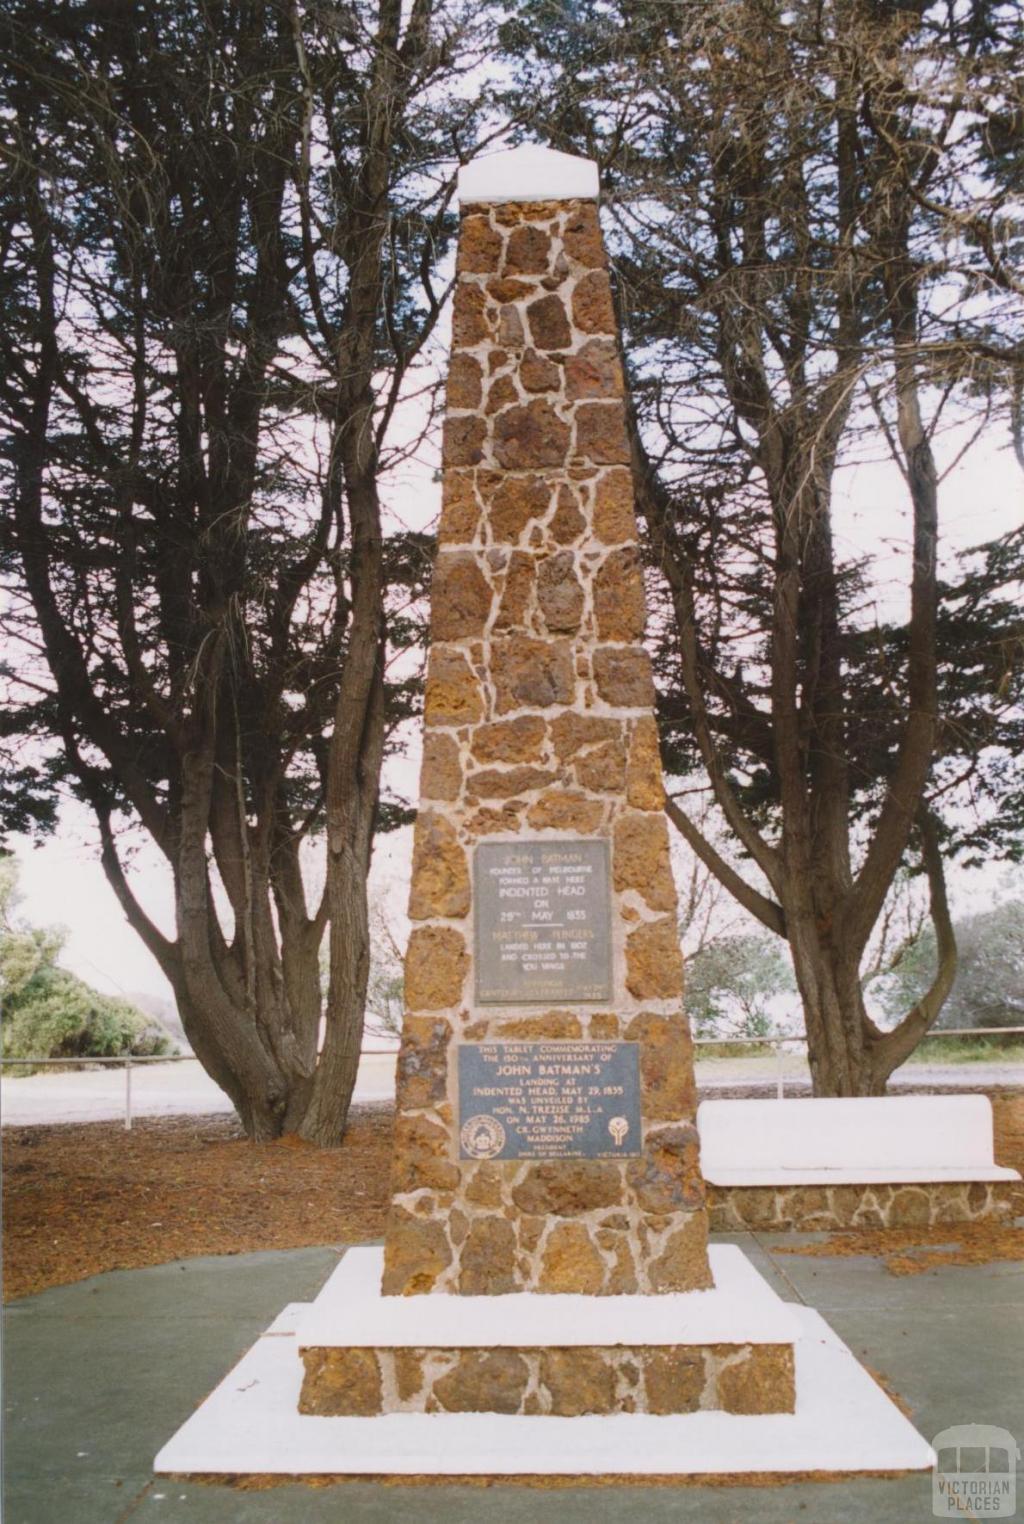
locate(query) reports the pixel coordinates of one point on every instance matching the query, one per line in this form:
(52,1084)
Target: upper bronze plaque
(543,922)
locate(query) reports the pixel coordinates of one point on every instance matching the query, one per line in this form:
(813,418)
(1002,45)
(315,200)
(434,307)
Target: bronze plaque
(549,1100)
(543,922)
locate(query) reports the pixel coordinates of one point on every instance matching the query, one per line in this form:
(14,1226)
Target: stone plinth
(539,727)
(728,1349)
(564,1383)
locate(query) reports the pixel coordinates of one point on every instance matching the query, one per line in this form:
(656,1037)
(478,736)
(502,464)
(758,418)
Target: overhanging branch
(759,905)
(892,1048)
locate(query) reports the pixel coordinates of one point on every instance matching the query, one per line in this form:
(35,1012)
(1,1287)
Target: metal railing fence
(130,1061)
(778,1043)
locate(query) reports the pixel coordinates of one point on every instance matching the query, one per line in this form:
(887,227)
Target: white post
(780,1083)
(128,1094)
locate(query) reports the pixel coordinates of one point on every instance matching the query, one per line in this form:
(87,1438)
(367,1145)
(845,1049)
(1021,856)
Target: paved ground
(100,1374)
(183,1089)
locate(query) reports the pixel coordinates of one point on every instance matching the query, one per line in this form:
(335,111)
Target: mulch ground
(80,1199)
(910,1251)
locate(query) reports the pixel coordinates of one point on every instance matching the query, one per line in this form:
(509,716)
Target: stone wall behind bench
(826,1208)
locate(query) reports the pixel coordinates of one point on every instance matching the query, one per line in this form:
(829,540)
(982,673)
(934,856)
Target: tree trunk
(833,1003)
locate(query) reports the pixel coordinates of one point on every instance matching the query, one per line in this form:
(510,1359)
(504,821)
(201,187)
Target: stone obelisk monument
(545,1139)
(546,1301)
(542,899)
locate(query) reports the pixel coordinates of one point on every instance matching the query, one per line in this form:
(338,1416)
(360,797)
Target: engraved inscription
(549,1100)
(542,922)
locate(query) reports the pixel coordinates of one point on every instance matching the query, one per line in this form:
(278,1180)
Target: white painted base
(741,1308)
(250,1424)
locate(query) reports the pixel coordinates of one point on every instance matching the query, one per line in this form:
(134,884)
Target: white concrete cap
(741,1308)
(528,173)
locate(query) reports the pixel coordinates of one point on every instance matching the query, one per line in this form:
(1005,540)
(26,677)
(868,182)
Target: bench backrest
(916,1130)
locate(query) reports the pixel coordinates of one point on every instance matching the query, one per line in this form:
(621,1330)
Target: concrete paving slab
(947,1365)
(836,1282)
(757,1248)
(63,1499)
(950,1350)
(94,1373)
(864,1502)
(184,1290)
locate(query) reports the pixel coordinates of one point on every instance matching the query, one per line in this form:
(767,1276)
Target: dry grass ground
(81,1199)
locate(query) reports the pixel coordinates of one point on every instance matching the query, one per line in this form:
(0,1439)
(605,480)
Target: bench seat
(858,1175)
(862,1141)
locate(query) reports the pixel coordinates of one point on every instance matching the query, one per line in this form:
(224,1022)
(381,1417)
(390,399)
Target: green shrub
(56,1015)
(729,1049)
(49,1012)
(1001,1049)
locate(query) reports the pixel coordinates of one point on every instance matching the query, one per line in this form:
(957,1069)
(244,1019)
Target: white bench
(886,1139)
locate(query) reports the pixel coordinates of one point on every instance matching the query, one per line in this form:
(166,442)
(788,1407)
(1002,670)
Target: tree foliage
(989,987)
(223,223)
(221,227)
(815,211)
(731,985)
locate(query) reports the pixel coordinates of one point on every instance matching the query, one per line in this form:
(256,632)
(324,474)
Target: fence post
(780,1083)
(128,1094)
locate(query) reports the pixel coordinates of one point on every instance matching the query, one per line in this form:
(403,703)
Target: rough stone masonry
(538,724)
(539,728)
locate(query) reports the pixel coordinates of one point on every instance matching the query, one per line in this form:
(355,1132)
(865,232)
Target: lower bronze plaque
(549,1100)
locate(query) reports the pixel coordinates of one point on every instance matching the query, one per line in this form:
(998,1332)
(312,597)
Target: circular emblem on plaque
(482,1137)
